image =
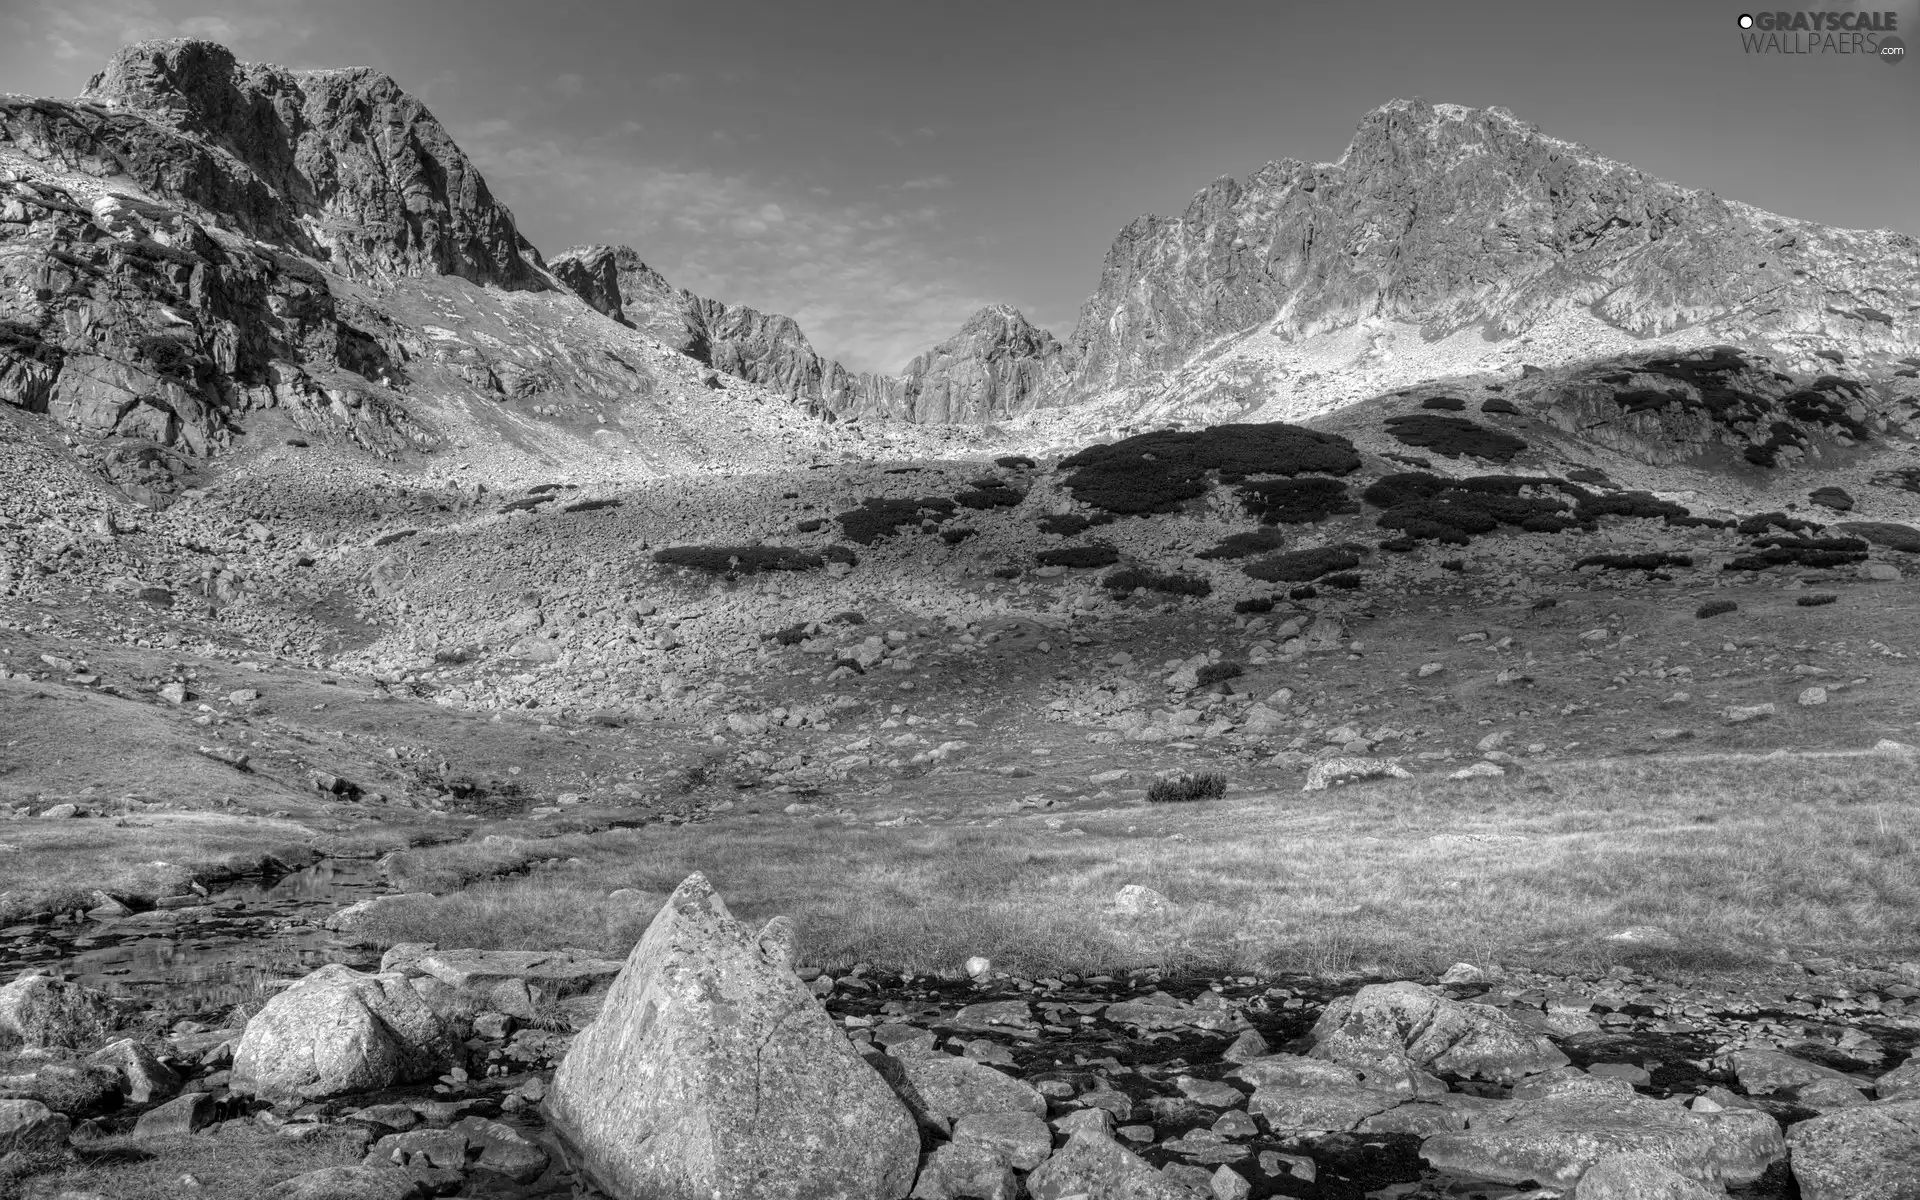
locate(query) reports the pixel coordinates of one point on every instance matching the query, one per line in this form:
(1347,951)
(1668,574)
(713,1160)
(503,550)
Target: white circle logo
(1746,20)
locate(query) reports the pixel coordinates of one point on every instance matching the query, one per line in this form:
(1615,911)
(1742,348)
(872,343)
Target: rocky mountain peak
(364,170)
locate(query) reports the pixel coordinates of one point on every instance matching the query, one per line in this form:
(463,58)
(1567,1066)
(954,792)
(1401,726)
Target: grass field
(1735,856)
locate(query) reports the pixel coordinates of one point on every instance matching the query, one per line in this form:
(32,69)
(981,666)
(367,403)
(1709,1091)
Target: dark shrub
(1345,580)
(1400,545)
(1253,606)
(1851,545)
(1627,504)
(1218,672)
(1588,475)
(1156,472)
(1444,403)
(1391,490)
(1715,608)
(956,535)
(1098,554)
(1014,462)
(841,554)
(990,497)
(1243,545)
(1832,497)
(1301,566)
(1068,524)
(1634,562)
(847,618)
(1815,599)
(1498,405)
(1454,436)
(1760,523)
(1208,785)
(1305,591)
(742,560)
(877,518)
(590,505)
(1801,552)
(1904,538)
(527,502)
(1007,572)
(1832,356)
(1412,460)
(1172,584)
(987,481)
(1907,479)
(792,635)
(811,525)
(1296,501)
(1817,406)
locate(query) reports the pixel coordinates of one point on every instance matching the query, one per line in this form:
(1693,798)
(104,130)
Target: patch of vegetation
(1759,523)
(1906,479)
(1801,552)
(1303,592)
(1832,497)
(847,618)
(956,535)
(1651,561)
(1904,538)
(1412,460)
(998,496)
(1069,524)
(1497,404)
(1171,583)
(811,525)
(1296,501)
(1716,608)
(590,505)
(1302,566)
(1096,554)
(841,554)
(1208,785)
(1007,572)
(1455,511)
(1344,580)
(739,560)
(1157,472)
(1400,545)
(1819,405)
(877,518)
(1641,505)
(1253,606)
(1454,437)
(1589,475)
(1245,545)
(792,635)
(1014,462)
(1444,403)
(1815,599)
(1218,672)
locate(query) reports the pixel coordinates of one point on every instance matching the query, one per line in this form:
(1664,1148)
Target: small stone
(1813,696)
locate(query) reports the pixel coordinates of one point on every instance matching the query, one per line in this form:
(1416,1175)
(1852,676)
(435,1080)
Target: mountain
(997,366)
(1441,221)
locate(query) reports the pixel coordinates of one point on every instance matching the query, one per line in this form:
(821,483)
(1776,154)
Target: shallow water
(246,937)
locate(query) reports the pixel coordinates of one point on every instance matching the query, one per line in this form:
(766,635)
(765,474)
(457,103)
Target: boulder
(1762,1072)
(339,1031)
(958,1171)
(1564,1127)
(713,1071)
(1163,1011)
(515,981)
(28,1125)
(1867,1153)
(1636,1176)
(1092,1164)
(177,1118)
(1385,1024)
(1328,1108)
(144,1078)
(42,1011)
(1903,1080)
(942,1088)
(1019,1139)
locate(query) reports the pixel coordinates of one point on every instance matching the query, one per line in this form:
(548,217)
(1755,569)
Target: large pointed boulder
(338,1031)
(713,1072)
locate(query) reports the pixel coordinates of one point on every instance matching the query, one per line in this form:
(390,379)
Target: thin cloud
(569,85)
(671,81)
(926,183)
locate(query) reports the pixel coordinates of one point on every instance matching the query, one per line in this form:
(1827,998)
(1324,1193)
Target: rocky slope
(1452,221)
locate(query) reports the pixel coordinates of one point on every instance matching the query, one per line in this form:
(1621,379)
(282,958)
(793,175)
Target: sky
(881,170)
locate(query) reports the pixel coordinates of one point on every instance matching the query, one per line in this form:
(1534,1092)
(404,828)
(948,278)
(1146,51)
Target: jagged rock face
(613,280)
(364,170)
(1447,217)
(998,365)
(128,320)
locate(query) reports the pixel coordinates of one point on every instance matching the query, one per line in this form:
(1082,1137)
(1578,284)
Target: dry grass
(229,1165)
(1737,856)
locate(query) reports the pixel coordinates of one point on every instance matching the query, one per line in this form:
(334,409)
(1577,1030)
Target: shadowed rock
(339,1031)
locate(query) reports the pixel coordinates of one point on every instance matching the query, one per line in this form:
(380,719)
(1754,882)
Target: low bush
(990,497)
(847,618)
(739,560)
(1499,405)
(1173,584)
(1715,608)
(1007,572)
(877,518)
(1588,475)
(1253,606)
(1652,561)
(1444,403)
(1157,472)
(1643,505)
(1400,545)
(956,535)
(792,635)
(1801,552)
(1832,497)
(1815,599)
(841,554)
(1760,523)
(1454,437)
(1344,580)
(1304,592)
(1098,554)
(1302,566)
(1818,406)
(1218,672)
(1296,501)
(1069,524)
(1208,785)
(590,505)
(1014,462)
(811,525)
(1245,545)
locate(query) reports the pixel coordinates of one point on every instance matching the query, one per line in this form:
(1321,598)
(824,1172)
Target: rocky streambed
(709,1058)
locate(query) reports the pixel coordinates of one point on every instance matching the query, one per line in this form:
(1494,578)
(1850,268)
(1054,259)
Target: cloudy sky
(880,170)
